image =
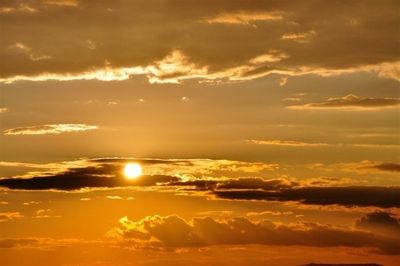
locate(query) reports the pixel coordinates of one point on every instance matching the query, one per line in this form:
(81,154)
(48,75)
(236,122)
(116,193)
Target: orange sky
(267,132)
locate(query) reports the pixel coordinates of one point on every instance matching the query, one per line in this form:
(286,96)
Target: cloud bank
(216,179)
(171,232)
(173,41)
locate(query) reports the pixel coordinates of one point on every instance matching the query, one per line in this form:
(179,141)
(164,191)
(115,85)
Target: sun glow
(132,170)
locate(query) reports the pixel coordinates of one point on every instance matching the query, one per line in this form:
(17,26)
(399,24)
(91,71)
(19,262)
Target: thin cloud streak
(49,129)
(351,102)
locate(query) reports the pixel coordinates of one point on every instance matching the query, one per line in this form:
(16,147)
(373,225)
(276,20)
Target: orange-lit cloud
(301,37)
(351,102)
(7,216)
(290,143)
(174,232)
(49,129)
(243,17)
(219,179)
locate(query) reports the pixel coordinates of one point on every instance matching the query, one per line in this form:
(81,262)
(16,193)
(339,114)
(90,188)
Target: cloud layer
(174,232)
(216,179)
(173,41)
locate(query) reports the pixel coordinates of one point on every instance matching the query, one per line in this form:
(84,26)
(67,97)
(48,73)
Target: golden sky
(255,132)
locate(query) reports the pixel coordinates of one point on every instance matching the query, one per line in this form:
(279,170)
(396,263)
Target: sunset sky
(199,132)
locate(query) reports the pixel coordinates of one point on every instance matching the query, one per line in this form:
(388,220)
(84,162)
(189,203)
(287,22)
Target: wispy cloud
(7,216)
(351,102)
(244,17)
(295,143)
(300,37)
(291,143)
(49,129)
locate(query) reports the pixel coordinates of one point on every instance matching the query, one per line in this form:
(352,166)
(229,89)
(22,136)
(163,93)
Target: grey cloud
(114,40)
(384,197)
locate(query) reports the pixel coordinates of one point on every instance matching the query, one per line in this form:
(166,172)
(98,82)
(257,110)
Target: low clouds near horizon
(171,232)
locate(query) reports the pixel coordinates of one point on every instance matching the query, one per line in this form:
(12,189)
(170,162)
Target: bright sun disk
(132,170)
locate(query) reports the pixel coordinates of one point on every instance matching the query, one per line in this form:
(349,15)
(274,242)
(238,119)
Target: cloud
(3,110)
(243,17)
(384,197)
(207,42)
(7,216)
(66,3)
(21,48)
(49,129)
(102,176)
(215,179)
(173,232)
(380,222)
(391,167)
(290,143)
(17,242)
(295,143)
(114,197)
(24,8)
(351,102)
(283,81)
(301,37)
(41,243)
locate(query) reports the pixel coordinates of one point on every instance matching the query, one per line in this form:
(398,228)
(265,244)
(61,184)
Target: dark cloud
(351,102)
(392,167)
(174,232)
(256,183)
(384,197)
(170,174)
(116,39)
(101,175)
(380,222)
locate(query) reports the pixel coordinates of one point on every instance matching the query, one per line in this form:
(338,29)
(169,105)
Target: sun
(132,170)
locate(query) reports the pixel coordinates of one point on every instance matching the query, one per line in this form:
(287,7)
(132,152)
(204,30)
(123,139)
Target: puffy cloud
(49,129)
(351,102)
(174,232)
(171,42)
